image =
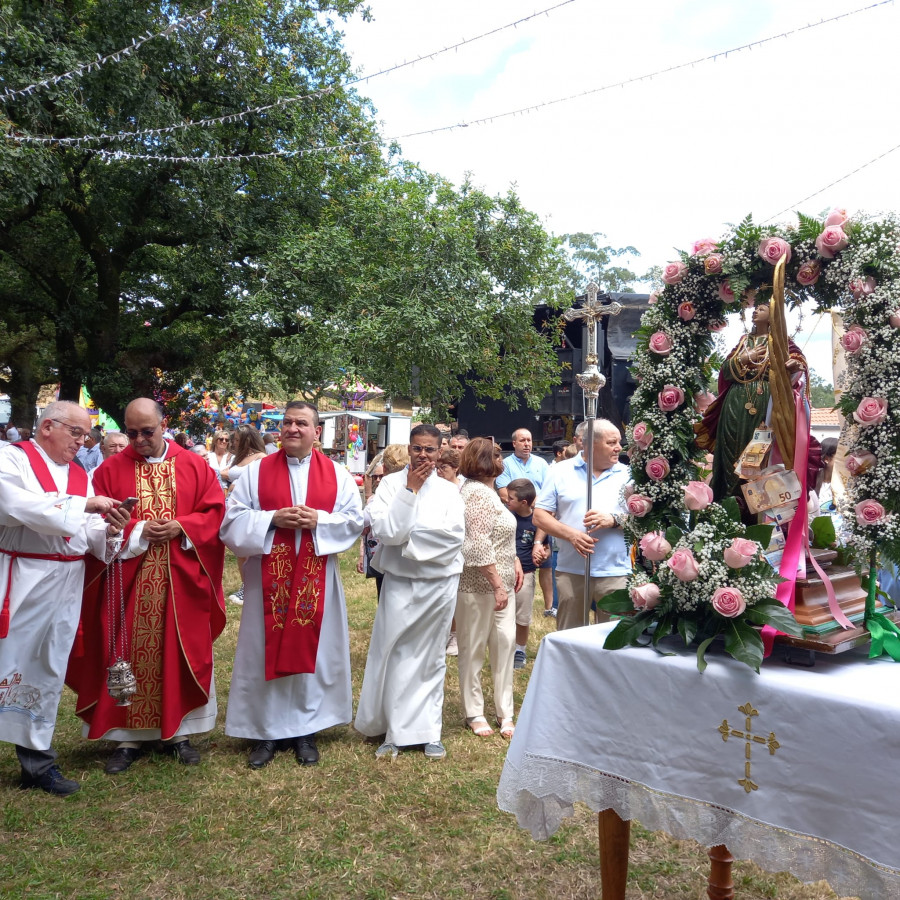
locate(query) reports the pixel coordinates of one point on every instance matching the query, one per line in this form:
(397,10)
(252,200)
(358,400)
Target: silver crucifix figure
(591,380)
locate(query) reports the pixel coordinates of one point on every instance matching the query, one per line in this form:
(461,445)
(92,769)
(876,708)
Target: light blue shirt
(565,495)
(534,469)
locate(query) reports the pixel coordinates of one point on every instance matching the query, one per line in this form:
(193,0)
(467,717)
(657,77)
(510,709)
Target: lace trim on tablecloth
(543,792)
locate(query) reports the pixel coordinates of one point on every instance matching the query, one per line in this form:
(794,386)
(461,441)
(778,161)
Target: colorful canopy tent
(352,392)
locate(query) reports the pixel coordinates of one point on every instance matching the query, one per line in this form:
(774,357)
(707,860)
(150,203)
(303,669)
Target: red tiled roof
(825,416)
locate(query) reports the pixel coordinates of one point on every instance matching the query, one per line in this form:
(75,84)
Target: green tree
(592,261)
(263,274)
(135,265)
(820,391)
(411,284)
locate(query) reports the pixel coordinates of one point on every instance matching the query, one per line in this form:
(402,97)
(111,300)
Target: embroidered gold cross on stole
(749,738)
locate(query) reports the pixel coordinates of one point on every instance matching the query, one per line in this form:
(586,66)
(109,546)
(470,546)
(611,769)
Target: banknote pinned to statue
(776,487)
(753,461)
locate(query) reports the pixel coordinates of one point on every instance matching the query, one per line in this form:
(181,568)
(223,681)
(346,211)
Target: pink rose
(809,273)
(653,298)
(871,411)
(726,294)
(683,565)
(837,217)
(645,596)
(740,552)
(832,240)
(717,325)
(686,311)
(853,339)
(862,287)
(642,435)
(712,265)
(655,546)
(639,505)
(697,495)
(771,249)
(660,344)
(869,512)
(657,468)
(703,247)
(674,272)
(860,462)
(728,602)
(895,319)
(670,398)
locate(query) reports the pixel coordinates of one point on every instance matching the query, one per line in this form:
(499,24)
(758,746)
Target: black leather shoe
(305,750)
(184,753)
(262,754)
(51,781)
(121,759)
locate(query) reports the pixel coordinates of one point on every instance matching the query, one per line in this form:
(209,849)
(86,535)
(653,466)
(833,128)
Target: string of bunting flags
(96,64)
(233,117)
(256,110)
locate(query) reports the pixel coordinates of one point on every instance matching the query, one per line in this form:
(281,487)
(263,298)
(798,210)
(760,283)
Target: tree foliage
(592,261)
(270,274)
(821,392)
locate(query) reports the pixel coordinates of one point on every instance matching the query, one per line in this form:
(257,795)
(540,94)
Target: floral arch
(703,578)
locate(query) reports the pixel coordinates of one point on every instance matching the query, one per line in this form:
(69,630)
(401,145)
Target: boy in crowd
(532,548)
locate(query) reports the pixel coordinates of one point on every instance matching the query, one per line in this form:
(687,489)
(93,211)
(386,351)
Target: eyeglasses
(132,433)
(374,478)
(220,440)
(415,448)
(74,430)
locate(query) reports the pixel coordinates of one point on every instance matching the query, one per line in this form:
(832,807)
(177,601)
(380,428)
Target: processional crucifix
(591,380)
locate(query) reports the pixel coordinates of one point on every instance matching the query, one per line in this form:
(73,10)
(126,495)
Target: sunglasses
(132,433)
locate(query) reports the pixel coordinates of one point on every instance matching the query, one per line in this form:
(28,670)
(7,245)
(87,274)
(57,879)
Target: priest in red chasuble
(290,514)
(161,607)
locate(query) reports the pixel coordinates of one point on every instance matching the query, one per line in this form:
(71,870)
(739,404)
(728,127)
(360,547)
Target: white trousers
(479,626)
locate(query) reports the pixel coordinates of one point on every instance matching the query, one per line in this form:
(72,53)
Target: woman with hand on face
(248,446)
(485,606)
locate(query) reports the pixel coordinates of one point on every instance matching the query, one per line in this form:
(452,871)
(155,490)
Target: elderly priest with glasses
(47,522)
(158,607)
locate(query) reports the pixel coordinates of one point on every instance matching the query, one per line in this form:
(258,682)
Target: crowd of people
(112,552)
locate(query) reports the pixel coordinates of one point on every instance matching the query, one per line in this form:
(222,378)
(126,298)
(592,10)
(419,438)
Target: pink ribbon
(797,542)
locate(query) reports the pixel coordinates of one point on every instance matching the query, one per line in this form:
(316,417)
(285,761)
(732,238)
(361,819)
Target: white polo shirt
(564,495)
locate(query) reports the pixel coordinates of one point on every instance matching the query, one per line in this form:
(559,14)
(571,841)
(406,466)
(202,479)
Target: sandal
(479,726)
(507,728)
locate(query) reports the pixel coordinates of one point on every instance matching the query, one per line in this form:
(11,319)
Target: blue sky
(660,163)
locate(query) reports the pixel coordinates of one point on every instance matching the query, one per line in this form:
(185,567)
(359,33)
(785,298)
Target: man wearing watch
(596,533)
(418,518)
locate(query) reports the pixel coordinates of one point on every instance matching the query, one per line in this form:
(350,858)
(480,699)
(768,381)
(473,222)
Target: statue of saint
(742,404)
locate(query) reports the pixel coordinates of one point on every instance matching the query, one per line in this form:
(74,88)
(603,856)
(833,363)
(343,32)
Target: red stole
(293,582)
(77,486)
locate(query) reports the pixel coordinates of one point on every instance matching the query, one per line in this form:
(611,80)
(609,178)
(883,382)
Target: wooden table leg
(720,886)
(614,833)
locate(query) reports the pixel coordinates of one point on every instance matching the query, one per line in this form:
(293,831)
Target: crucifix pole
(591,380)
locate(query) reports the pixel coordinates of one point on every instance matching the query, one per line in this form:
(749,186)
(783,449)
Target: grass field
(351,827)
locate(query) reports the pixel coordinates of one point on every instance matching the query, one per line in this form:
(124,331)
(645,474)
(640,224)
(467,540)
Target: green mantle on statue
(743,409)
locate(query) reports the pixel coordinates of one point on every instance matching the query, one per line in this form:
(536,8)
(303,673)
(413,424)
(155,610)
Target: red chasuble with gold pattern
(293,581)
(174,606)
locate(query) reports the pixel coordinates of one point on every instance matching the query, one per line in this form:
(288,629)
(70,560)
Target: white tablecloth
(810,792)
